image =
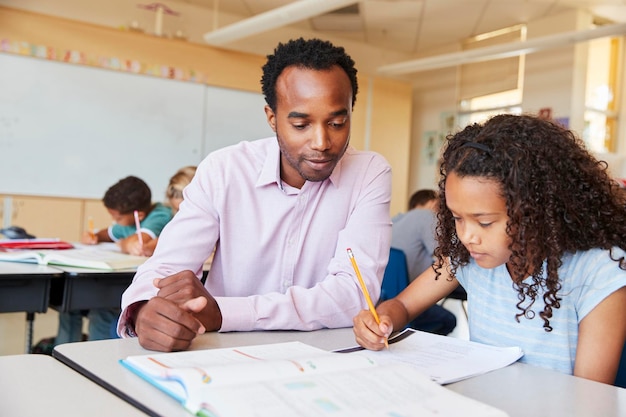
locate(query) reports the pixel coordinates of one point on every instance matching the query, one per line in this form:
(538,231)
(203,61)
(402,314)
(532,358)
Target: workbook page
(444,359)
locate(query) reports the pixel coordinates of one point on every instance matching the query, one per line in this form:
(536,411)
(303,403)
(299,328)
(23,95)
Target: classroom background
(91,82)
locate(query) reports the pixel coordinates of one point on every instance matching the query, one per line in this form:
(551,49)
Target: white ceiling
(417,26)
(374,32)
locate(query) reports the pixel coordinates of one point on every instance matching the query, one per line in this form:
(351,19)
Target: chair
(395,279)
(396,276)
(620,379)
(458,294)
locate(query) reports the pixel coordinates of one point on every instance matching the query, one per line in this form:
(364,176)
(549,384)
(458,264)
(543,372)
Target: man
(413,232)
(280,212)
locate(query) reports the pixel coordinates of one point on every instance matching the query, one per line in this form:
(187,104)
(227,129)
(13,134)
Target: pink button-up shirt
(280,260)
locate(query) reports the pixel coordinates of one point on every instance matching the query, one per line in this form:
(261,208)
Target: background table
(38,385)
(26,287)
(83,288)
(520,390)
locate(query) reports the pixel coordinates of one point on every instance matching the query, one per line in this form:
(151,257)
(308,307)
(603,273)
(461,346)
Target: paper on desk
(444,359)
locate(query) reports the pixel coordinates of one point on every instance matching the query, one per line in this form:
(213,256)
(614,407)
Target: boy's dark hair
(127,195)
(559,198)
(421,197)
(312,54)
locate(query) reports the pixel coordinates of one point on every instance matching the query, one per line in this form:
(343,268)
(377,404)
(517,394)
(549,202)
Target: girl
(534,229)
(174,195)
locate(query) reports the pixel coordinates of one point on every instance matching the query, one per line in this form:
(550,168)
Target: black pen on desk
(366,293)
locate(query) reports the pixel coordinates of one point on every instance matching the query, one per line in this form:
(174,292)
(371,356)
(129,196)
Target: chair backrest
(396,277)
(620,379)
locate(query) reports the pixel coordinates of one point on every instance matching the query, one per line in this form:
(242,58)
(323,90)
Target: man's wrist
(131,317)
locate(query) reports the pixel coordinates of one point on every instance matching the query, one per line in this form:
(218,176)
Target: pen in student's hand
(138,227)
(365,291)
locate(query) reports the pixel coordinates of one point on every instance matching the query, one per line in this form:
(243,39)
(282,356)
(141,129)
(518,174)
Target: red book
(13,244)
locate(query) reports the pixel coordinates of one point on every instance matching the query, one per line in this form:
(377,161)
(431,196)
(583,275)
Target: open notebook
(295,379)
(92,257)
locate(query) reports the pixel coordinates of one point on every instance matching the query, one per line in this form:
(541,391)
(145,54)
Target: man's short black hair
(313,54)
(127,195)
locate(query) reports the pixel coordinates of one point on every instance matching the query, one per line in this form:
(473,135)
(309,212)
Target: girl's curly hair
(559,199)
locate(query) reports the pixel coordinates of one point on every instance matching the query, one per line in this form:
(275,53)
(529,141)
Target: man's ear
(271,117)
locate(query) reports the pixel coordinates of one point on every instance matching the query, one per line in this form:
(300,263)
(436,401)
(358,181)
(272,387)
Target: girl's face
(480,217)
(175,203)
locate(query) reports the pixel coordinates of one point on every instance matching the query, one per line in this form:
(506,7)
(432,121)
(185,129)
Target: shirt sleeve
(181,247)
(599,276)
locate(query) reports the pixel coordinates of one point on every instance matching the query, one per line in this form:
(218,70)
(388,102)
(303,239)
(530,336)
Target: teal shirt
(152,225)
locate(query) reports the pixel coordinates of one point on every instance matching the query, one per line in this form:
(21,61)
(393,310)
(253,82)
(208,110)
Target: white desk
(38,385)
(520,390)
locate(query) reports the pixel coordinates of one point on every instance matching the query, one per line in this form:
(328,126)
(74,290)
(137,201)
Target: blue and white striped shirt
(587,278)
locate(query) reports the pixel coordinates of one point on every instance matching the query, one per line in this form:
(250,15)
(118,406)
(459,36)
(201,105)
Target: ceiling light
(272,19)
(502,51)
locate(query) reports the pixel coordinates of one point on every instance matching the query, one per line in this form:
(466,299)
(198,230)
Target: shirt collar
(270,173)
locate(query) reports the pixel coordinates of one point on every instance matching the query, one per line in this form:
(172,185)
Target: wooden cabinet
(95,209)
(47,216)
(52,217)
(2,223)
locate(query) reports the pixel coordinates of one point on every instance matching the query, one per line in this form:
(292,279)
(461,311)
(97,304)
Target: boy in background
(413,232)
(121,200)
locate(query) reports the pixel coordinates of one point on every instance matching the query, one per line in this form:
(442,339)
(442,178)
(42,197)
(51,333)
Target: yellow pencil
(366,293)
(91,229)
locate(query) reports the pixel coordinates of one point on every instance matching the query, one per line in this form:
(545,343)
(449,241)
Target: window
(491,87)
(600,98)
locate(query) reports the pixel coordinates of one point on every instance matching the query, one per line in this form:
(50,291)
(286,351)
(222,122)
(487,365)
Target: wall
(434,94)
(553,78)
(220,68)
(556,78)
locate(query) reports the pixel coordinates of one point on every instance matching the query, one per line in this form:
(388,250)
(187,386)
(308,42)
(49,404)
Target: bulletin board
(72,131)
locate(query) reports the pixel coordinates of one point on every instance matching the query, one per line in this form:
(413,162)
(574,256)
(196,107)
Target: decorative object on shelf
(160,10)
(112,63)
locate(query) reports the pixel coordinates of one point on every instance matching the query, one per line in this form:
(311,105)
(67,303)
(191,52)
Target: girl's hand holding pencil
(371,334)
(382,327)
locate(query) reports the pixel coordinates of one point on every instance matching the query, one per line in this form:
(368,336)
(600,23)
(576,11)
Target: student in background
(174,196)
(413,232)
(121,200)
(533,227)
(280,212)
(178,182)
(422,199)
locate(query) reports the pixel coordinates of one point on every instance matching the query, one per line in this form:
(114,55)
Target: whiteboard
(233,116)
(72,131)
